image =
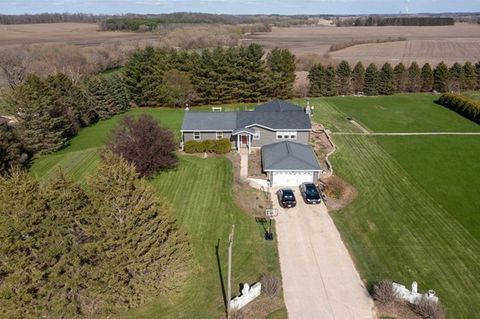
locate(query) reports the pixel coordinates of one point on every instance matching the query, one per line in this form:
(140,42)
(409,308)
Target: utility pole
(229,280)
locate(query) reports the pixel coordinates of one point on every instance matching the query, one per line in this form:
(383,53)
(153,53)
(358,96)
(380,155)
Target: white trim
(199,136)
(213,131)
(242,131)
(256,135)
(292,170)
(280,129)
(217,135)
(286,135)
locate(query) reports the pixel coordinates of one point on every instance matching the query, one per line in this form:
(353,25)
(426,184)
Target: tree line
(461,104)
(49,18)
(345,80)
(50,111)
(378,20)
(86,251)
(156,77)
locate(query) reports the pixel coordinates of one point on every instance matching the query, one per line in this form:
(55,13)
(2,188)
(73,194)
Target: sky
(238,6)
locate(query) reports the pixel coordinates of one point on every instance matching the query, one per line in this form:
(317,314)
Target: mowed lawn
(417,213)
(200,193)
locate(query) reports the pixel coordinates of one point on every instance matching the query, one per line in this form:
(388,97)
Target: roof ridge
(299,158)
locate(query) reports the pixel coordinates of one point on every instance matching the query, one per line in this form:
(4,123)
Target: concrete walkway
(244,163)
(319,278)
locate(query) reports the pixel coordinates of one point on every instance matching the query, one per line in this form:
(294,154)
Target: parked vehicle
(286,198)
(310,193)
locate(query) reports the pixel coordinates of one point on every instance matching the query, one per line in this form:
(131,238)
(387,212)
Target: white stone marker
(248,295)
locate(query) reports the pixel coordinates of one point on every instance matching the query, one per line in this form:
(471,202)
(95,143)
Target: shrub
(383,292)
(463,105)
(270,285)
(429,309)
(222,146)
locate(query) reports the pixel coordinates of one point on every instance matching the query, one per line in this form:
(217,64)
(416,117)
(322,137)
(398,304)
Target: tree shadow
(220,274)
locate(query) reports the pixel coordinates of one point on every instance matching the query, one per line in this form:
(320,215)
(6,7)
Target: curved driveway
(319,278)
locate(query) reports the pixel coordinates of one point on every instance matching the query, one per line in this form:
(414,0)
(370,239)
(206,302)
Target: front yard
(201,194)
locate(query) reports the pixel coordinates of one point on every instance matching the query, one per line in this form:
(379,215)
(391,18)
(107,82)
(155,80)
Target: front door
(244,140)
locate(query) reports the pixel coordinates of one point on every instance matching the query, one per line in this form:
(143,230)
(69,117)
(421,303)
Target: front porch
(244,139)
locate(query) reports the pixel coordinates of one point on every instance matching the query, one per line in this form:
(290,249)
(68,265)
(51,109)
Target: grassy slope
(402,226)
(399,113)
(200,191)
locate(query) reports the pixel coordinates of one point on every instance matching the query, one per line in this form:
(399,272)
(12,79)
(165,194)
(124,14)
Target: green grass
(200,192)
(398,113)
(416,215)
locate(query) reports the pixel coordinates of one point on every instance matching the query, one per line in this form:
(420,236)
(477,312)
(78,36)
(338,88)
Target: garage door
(291,178)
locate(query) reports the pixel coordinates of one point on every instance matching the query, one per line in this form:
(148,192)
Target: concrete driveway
(319,278)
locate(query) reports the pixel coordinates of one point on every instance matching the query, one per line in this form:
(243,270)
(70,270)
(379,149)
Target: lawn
(200,192)
(416,215)
(398,113)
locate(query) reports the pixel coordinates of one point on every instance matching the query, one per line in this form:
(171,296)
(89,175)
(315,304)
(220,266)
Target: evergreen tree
(107,96)
(344,75)
(12,152)
(371,80)
(477,69)
(358,78)
(253,74)
(318,82)
(386,80)
(401,76)
(427,78)
(414,78)
(470,77)
(331,81)
(42,127)
(440,77)
(140,253)
(281,73)
(455,77)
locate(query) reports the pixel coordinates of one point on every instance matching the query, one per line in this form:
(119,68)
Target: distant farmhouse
(280,129)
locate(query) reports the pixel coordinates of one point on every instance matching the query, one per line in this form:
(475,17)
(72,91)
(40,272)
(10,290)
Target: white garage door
(291,178)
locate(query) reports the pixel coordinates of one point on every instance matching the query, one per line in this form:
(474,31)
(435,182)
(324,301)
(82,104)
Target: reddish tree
(144,143)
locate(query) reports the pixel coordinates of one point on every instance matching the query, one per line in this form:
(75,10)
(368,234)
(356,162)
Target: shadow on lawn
(220,274)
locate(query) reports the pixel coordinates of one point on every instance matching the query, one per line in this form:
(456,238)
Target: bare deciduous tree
(14,63)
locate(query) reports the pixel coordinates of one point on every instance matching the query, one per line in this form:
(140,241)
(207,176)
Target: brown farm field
(82,34)
(460,42)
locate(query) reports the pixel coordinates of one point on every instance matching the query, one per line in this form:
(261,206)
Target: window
(196,135)
(219,135)
(286,135)
(256,135)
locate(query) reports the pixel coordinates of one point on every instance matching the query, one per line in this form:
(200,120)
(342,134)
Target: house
(268,124)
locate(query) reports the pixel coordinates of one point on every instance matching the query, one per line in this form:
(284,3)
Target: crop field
(83,34)
(460,42)
(201,194)
(416,215)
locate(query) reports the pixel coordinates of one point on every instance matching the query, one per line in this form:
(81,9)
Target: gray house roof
(289,156)
(278,106)
(276,115)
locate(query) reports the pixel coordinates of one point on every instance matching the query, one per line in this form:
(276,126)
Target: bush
(429,309)
(463,105)
(270,285)
(383,292)
(222,146)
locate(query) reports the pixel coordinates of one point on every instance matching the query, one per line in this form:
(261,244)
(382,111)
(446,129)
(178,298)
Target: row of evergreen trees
(85,251)
(51,111)
(239,74)
(343,80)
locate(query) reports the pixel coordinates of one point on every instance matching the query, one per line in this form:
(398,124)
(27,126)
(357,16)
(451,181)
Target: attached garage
(290,164)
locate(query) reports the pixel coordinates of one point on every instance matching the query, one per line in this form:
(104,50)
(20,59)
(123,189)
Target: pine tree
(470,77)
(12,152)
(318,82)
(281,73)
(331,81)
(401,76)
(477,71)
(427,78)
(386,80)
(344,75)
(414,78)
(358,78)
(42,127)
(440,78)
(455,77)
(371,80)
(140,252)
